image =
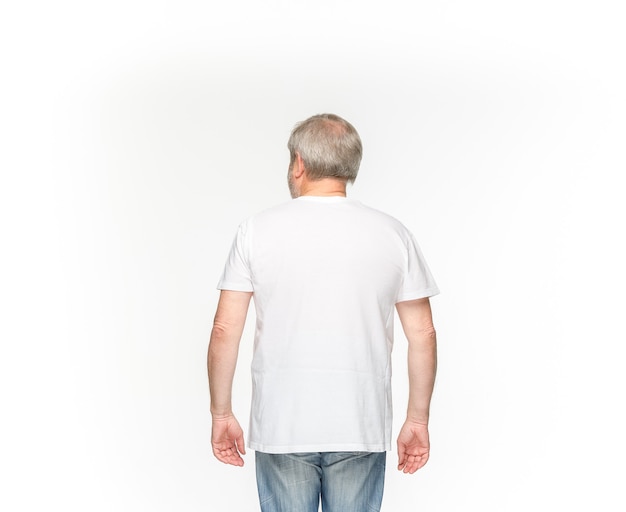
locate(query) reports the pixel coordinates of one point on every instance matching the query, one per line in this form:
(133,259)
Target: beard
(293,189)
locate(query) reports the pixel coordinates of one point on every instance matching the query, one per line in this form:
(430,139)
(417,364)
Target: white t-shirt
(326,273)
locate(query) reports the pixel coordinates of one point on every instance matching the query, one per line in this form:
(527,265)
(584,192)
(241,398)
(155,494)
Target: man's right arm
(226,435)
(413,440)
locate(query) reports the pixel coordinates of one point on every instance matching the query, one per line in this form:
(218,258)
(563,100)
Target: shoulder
(271,214)
(267,217)
(384,218)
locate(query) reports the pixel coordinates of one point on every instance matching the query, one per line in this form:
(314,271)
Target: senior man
(326,273)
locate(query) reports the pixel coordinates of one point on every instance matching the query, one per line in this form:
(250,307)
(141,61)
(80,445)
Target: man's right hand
(227,440)
(413,446)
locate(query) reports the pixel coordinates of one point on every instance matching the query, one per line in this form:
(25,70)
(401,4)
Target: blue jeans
(346,481)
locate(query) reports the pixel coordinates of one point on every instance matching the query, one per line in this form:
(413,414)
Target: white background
(136,136)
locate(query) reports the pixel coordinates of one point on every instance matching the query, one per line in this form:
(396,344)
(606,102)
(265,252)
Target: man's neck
(324,187)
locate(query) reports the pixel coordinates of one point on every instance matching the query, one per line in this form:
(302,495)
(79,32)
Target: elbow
(426,337)
(219,331)
(430,333)
(224,334)
(430,338)
(219,344)
(220,335)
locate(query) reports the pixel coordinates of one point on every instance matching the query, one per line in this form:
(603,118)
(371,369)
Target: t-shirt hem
(304,448)
(429,292)
(235,287)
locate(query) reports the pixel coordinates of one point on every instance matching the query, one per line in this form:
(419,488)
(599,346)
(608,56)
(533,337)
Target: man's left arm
(226,434)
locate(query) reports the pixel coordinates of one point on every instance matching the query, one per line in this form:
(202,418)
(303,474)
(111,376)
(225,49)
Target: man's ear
(298,169)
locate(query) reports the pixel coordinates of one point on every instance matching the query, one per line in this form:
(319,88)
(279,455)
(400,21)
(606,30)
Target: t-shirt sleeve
(418,282)
(237,275)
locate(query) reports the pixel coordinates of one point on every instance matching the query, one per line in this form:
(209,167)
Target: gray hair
(329,146)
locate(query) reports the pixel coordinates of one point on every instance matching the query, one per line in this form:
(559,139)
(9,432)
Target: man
(326,273)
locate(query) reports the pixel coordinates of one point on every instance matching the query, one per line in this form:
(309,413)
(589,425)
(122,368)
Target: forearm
(422,366)
(224,348)
(221,364)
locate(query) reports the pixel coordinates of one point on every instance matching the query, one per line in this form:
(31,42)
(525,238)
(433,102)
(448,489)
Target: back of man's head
(329,146)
